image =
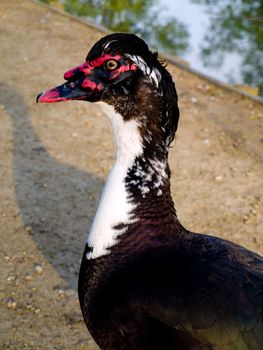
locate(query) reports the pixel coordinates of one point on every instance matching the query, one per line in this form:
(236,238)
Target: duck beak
(64,92)
(81,84)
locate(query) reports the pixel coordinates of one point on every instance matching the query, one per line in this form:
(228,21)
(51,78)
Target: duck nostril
(72,85)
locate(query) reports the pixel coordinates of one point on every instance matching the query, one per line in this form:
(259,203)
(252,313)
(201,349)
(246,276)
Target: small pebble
(193,99)
(61,293)
(29,229)
(253,212)
(29,306)
(245,219)
(11,304)
(219,178)
(17,282)
(39,269)
(11,279)
(28,277)
(37,311)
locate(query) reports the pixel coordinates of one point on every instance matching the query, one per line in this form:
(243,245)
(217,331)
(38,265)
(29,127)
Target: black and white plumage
(145,281)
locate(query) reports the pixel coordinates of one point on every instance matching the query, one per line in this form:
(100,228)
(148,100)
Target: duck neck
(139,179)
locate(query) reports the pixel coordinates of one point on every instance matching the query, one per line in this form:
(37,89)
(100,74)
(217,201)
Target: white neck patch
(115,208)
(153,73)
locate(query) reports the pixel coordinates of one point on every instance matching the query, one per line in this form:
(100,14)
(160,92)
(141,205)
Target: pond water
(225,38)
(197,20)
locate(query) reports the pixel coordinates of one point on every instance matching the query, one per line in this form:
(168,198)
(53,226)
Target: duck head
(120,70)
(108,67)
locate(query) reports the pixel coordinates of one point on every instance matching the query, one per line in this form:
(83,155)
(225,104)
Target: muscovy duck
(145,281)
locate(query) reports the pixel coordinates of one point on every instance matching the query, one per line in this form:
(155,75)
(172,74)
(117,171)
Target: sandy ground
(54,160)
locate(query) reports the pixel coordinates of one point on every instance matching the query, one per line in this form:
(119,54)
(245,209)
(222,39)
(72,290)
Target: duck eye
(111,64)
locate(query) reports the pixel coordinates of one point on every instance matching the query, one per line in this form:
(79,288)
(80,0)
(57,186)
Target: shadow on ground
(53,198)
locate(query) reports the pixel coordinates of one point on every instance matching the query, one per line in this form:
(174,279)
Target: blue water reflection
(226,38)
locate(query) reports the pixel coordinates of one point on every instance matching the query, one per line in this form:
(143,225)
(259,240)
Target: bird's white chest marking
(115,207)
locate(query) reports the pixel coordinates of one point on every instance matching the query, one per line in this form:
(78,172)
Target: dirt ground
(54,160)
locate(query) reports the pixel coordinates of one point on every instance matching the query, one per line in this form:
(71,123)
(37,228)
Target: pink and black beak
(81,84)
(91,80)
(64,92)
